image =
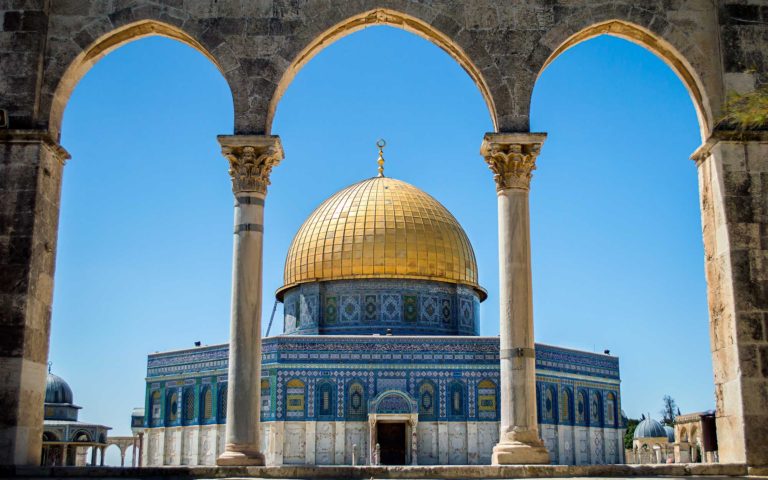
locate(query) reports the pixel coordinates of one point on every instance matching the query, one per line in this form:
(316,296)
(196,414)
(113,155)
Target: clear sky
(145,243)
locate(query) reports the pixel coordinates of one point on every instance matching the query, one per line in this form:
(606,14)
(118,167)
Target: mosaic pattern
(371,308)
(486,399)
(451,379)
(408,307)
(393,404)
(295,399)
(390,308)
(429,309)
(350,308)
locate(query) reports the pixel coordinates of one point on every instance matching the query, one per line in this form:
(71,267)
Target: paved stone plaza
(399,472)
(716,47)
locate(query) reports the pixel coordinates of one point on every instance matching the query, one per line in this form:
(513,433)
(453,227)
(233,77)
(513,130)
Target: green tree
(630,432)
(668,412)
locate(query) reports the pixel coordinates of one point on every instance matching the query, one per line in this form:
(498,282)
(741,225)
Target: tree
(629,434)
(668,412)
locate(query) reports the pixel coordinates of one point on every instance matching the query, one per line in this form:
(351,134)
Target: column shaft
(512,158)
(251,160)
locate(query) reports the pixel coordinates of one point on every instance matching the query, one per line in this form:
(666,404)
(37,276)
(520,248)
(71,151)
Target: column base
(234,458)
(518,453)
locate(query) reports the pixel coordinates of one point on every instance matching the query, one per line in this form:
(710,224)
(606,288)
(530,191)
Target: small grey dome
(57,390)
(670,433)
(649,428)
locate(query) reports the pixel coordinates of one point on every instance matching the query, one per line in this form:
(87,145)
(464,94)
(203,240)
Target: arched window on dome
(356,400)
(325,401)
(596,410)
(155,409)
(456,399)
(295,393)
(222,403)
(610,410)
(566,406)
(426,400)
(486,400)
(581,407)
(172,407)
(189,406)
(207,404)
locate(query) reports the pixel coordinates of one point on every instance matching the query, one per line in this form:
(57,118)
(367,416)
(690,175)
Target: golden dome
(381,228)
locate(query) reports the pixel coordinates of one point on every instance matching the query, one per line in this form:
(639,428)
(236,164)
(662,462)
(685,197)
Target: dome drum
(376,306)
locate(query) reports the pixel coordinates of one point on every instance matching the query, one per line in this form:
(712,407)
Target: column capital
(42,137)
(512,157)
(251,159)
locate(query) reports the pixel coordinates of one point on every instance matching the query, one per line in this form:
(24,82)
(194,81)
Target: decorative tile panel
(350,308)
(390,308)
(429,309)
(370,308)
(410,308)
(331,310)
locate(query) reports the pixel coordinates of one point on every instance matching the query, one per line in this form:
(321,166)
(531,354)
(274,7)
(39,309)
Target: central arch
(381,16)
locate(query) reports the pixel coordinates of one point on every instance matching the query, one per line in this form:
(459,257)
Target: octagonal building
(380,358)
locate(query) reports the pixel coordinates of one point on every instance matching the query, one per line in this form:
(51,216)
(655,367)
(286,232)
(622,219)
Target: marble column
(251,159)
(93,456)
(512,158)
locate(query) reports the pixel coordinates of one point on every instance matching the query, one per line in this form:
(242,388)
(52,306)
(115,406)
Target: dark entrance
(391,439)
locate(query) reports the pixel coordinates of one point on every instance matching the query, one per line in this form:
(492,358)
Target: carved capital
(512,157)
(251,159)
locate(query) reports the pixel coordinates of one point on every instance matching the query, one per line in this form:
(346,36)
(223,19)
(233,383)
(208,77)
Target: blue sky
(145,242)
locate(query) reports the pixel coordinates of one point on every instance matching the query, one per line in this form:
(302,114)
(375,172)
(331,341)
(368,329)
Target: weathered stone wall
(715,46)
(260,45)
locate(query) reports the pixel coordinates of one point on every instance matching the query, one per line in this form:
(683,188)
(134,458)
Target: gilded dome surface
(381,228)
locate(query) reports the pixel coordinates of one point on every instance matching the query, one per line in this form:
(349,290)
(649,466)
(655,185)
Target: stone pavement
(395,472)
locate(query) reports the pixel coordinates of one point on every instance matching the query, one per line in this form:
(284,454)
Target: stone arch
(381,16)
(654,43)
(81,436)
(103,45)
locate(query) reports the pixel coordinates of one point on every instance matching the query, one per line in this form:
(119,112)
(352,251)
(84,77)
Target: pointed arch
(102,46)
(381,16)
(356,399)
(295,399)
(222,403)
(206,404)
(658,46)
(325,399)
